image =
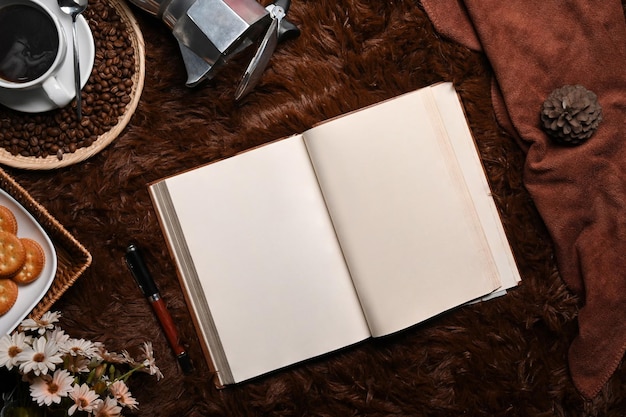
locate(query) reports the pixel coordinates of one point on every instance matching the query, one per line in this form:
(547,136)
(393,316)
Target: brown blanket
(534,48)
(506,357)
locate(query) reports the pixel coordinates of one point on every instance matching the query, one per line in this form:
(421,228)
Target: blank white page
(405,221)
(266,253)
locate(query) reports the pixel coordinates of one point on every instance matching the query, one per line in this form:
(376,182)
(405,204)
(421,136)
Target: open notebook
(360,227)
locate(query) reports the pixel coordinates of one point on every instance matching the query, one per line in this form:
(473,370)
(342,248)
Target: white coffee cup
(32,50)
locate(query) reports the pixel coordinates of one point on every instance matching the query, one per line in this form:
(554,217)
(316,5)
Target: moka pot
(210,32)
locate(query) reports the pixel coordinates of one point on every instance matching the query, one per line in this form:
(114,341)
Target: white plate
(28,295)
(36,101)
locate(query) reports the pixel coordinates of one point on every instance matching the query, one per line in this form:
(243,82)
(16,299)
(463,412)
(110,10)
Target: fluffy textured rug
(506,357)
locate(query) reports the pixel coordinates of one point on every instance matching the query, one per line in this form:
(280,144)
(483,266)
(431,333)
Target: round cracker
(8,222)
(12,254)
(34,263)
(8,295)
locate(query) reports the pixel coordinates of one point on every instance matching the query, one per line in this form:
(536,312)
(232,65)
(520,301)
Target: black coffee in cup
(29,42)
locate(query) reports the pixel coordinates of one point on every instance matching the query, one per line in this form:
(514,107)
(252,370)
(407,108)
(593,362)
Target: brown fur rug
(506,357)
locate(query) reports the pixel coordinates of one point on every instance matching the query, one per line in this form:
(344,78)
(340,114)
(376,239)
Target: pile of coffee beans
(105,96)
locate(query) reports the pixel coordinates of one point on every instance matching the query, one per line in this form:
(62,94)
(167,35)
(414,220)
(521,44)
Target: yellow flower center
(14,351)
(39,357)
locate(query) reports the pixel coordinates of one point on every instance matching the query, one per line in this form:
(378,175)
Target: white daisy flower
(107,408)
(80,347)
(46,322)
(85,399)
(58,336)
(129,359)
(48,389)
(149,362)
(77,364)
(119,390)
(11,347)
(111,357)
(41,357)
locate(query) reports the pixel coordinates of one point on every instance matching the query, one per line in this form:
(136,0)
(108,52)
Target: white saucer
(36,101)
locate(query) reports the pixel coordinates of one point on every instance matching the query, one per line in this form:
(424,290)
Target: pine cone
(571,114)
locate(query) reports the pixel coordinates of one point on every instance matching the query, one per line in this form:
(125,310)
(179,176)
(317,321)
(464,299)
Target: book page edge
(493,211)
(461,176)
(190,284)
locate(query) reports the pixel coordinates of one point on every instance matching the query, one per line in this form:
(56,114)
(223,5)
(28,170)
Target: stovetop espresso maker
(211,32)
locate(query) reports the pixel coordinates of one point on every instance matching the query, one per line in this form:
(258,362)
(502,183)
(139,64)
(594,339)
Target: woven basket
(52,162)
(72,258)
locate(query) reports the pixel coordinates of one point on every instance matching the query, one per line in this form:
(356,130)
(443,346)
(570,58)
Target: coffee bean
(105,96)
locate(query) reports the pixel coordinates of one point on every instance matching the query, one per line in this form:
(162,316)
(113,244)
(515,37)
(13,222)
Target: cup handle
(56,92)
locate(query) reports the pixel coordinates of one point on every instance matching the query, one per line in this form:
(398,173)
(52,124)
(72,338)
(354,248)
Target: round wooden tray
(52,161)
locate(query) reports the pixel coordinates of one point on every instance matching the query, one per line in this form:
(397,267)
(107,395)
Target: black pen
(140,272)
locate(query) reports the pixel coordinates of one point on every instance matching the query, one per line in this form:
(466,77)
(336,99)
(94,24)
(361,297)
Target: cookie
(12,254)
(8,222)
(8,295)
(34,263)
